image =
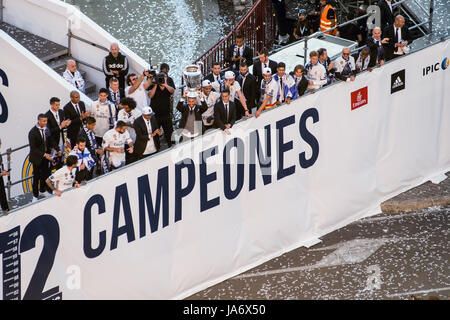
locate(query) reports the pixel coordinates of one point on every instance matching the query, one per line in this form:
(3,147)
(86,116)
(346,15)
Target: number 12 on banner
(13,244)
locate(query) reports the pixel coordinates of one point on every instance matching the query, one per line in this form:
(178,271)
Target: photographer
(161,102)
(137,88)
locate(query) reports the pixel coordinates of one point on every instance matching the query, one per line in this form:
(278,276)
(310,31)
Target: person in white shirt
(211,98)
(73,76)
(345,66)
(104,113)
(363,61)
(315,72)
(231,84)
(287,89)
(129,114)
(137,89)
(64,178)
(114,142)
(269,91)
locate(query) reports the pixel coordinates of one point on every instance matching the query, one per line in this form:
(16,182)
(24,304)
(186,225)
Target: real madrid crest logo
(66,174)
(114,136)
(342,62)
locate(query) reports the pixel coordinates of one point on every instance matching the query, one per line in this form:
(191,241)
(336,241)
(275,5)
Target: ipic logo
(359,98)
(436,67)
(398,81)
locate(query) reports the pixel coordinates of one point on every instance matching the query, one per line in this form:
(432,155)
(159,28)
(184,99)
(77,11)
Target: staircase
(53,54)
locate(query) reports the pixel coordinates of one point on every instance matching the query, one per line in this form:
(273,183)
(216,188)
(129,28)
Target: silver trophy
(192,76)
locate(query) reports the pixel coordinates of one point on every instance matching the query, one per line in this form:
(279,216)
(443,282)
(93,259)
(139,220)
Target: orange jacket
(325,24)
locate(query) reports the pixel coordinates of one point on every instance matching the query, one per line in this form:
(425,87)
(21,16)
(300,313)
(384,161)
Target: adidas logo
(398,82)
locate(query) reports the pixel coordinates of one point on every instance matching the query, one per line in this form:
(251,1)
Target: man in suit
(40,145)
(191,114)
(247,81)
(386,13)
(399,38)
(375,44)
(263,62)
(75,111)
(147,134)
(239,52)
(215,77)
(300,79)
(56,123)
(224,112)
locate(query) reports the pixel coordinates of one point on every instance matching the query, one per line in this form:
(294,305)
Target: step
(42,48)
(90,87)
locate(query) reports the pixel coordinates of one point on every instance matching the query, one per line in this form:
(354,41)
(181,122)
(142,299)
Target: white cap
(229,75)
(267,71)
(147,111)
(206,83)
(192,94)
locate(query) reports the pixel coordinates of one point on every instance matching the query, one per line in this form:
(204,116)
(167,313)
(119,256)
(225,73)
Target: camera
(160,78)
(152,71)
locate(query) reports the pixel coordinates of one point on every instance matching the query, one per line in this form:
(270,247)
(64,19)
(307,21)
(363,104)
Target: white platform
(292,55)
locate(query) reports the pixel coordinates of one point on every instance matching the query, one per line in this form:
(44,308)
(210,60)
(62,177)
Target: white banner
(172,225)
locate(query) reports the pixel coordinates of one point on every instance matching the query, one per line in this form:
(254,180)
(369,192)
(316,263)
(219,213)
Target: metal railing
(9,184)
(258,28)
(317,34)
(71,36)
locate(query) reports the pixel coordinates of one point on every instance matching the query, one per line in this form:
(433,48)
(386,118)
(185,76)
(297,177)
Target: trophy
(192,76)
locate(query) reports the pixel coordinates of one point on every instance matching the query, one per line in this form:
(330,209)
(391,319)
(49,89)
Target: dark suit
(198,110)
(257,70)
(55,130)
(249,90)
(3,199)
(302,85)
(142,135)
(74,128)
(387,16)
(220,115)
(389,47)
(41,168)
(247,54)
(376,50)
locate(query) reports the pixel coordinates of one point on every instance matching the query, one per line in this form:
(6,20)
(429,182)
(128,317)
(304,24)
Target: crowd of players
(78,142)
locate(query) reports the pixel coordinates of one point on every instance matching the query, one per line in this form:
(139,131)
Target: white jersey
(269,89)
(317,74)
(210,100)
(114,139)
(345,67)
(63,178)
(234,88)
(75,79)
(140,95)
(102,113)
(129,119)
